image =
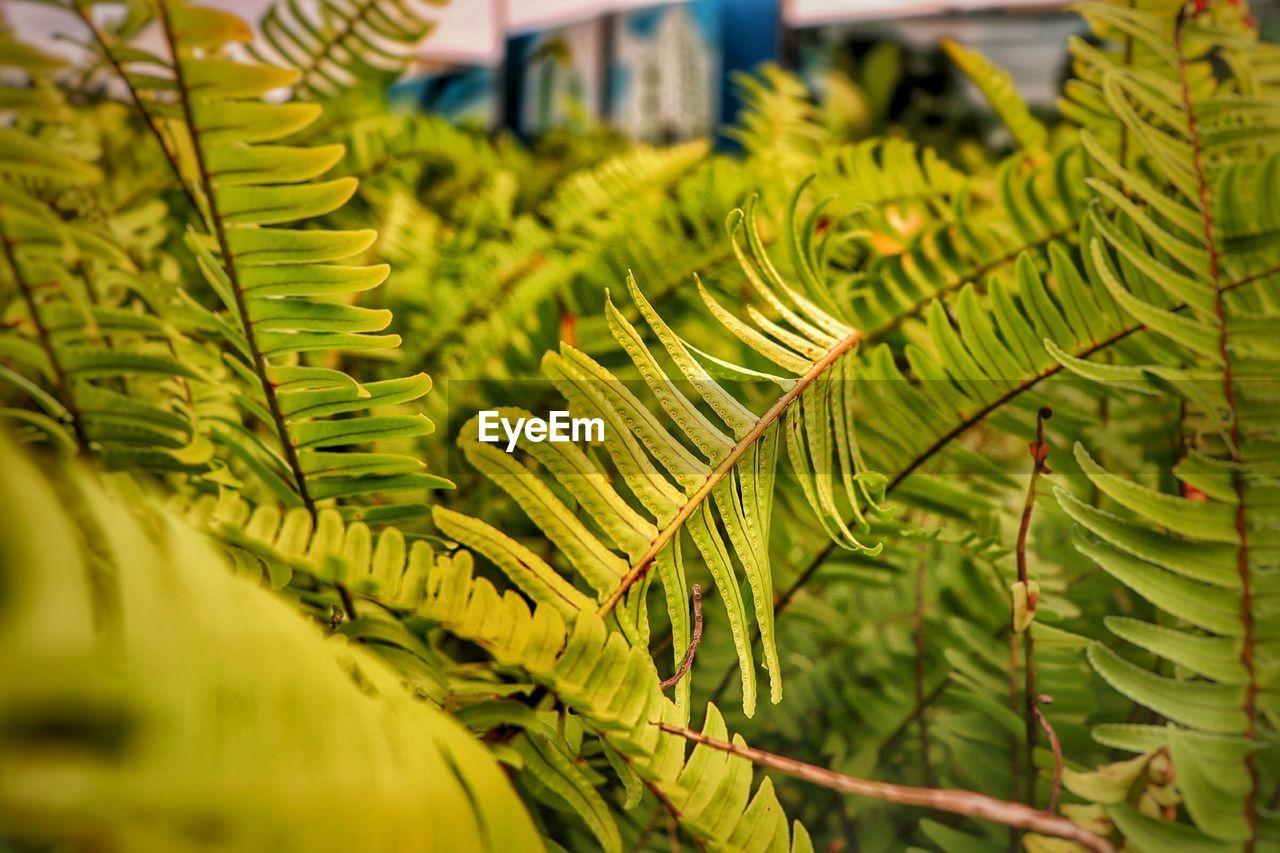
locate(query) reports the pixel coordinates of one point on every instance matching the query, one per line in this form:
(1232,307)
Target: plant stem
(962,802)
(1055,745)
(693,644)
(1039,452)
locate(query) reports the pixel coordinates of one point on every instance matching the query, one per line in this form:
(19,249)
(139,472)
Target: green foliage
(228,289)
(335,44)
(217,700)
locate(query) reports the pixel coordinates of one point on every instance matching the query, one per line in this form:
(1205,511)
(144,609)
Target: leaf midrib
(641,566)
(228,259)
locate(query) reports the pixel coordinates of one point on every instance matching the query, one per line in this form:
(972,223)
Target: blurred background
(661,71)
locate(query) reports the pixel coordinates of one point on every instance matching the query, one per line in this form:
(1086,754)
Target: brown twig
(1039,453)
(1055,745)
(968,803)
(693,644)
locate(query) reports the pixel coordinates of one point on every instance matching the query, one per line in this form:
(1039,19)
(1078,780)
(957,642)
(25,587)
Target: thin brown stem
(1055,745)
(641,566)
(1234,448)
(968,803)
(693,644)
(1039,453)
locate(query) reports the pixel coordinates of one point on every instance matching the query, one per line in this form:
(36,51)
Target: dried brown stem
(1055,745)
(1039,453)
(962,802)
(693,644)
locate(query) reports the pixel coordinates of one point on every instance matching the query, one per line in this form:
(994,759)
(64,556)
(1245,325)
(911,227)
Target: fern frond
(997,85)
(586,196)
(102,367)
(615,689)
(892,173)
(945,258)
(779,123)
(727,484)
(336,44)
(1200,558)
(568,649)
(277,285)
(143,675)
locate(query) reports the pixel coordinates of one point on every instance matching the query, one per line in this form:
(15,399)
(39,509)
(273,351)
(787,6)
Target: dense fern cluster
(263,587)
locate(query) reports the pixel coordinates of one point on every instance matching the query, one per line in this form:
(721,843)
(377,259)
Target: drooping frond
(701,477)
(615,689)
(563,644)
(337,44)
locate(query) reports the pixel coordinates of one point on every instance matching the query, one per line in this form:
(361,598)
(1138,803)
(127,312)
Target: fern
(100,366)
(558,642)
(334,44)
(893,314)
(615,688)
(729,483)
(997,85)
(219,681)
(1200,559)
(268,280)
